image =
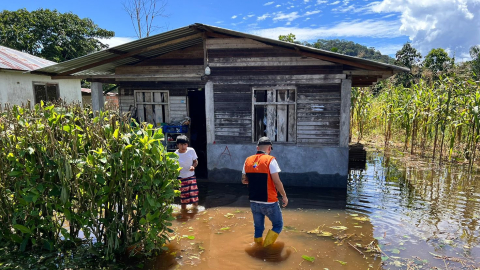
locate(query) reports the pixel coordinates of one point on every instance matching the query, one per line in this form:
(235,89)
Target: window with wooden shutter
(152,106)
(274,113)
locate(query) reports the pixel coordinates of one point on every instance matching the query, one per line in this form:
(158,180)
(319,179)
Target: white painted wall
(16,87)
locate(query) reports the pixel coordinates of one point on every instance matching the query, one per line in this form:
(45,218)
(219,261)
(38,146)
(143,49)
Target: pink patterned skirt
(189,190)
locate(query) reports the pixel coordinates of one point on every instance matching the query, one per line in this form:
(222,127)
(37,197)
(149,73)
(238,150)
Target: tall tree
(50,34)
(408,57)
(475,54)
(437,60)
(143,14)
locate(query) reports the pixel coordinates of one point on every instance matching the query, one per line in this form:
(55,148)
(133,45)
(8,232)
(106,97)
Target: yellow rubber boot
(258,240)
(270,238)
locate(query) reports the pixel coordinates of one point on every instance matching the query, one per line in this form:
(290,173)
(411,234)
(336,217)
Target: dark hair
(182,139)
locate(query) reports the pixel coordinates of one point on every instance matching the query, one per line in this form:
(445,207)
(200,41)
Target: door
(198,129)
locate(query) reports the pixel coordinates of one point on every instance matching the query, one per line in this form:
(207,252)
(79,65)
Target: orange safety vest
(260,184)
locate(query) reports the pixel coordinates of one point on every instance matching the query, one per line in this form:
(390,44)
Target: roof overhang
(100,66)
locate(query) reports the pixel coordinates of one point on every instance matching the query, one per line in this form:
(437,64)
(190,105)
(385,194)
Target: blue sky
(386,25)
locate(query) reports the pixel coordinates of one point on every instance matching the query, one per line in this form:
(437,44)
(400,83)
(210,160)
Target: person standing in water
(260,172)
(188,160)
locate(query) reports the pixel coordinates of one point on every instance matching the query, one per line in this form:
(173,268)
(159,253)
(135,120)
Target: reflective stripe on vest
(260,184)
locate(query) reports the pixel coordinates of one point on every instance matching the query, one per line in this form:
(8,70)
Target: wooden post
(210,112)
(97,96)
(345,112)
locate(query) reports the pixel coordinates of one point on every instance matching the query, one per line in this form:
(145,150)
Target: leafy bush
(70,177)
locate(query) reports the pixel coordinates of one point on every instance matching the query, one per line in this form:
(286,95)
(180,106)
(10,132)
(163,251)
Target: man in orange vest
(260,172)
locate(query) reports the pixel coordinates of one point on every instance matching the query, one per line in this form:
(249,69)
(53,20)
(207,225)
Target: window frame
(46,84)
(288,103)
(166,116)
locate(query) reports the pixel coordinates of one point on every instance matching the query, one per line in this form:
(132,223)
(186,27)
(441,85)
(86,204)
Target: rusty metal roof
(17,60)
(109,68)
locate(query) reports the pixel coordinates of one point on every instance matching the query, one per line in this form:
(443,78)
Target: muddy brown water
(392,216)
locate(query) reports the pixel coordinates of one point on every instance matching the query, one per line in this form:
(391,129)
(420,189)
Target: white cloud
(452,25)
(251,15)
(268,3)
(280,16)
(335,3)
(368,28)
(319,2)
(308,13)
(277,6)
(263,17)
(288,23)
(115,41)
(306,19)
(306,1)
(234,16)
(219,22)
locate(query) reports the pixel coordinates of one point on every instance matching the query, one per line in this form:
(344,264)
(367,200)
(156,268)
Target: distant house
(110,97)
(237,87)
(18,85)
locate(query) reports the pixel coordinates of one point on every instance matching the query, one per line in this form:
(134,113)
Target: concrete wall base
(301,166)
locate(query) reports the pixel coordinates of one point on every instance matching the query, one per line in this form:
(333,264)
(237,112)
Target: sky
(386,25)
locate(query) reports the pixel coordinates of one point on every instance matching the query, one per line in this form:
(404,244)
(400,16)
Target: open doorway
(198,129)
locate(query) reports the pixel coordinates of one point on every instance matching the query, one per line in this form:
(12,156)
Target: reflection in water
(272,253)
(394,215)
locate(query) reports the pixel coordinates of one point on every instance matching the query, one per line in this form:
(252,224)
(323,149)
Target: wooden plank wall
(318,106)
(318,114)
(233,113)
(178,108)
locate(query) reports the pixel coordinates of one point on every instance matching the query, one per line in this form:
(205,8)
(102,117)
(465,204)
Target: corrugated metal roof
(109,68)
(17,60)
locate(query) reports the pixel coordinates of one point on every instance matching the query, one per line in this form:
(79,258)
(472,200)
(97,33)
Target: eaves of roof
(112,57)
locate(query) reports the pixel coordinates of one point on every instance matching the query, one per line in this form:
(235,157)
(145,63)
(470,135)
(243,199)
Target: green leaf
(15,173)
(308,258)
(396,251)
(341,262)
(22,228)
(23,246)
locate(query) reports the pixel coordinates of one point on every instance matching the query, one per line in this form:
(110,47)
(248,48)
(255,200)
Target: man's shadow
(272,253)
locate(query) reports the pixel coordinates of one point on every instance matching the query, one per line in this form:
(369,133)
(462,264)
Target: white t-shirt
(274,168)
(186,160)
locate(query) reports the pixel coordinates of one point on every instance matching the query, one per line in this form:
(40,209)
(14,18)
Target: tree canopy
(288,38)
(351,48)
(437,60)
(407,56)
(50,34)
(475,54)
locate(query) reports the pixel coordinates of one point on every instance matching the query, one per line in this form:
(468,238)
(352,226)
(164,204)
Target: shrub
(69,176)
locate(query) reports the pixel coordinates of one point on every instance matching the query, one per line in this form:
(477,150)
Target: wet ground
(392,216)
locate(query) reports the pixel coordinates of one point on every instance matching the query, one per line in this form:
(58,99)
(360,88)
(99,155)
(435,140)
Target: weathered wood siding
(238,65)
(233,113)
(318,114)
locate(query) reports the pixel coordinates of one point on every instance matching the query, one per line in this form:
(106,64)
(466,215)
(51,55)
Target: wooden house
(237,87)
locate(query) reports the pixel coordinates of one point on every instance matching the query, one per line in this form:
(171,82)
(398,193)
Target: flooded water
(392,216)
